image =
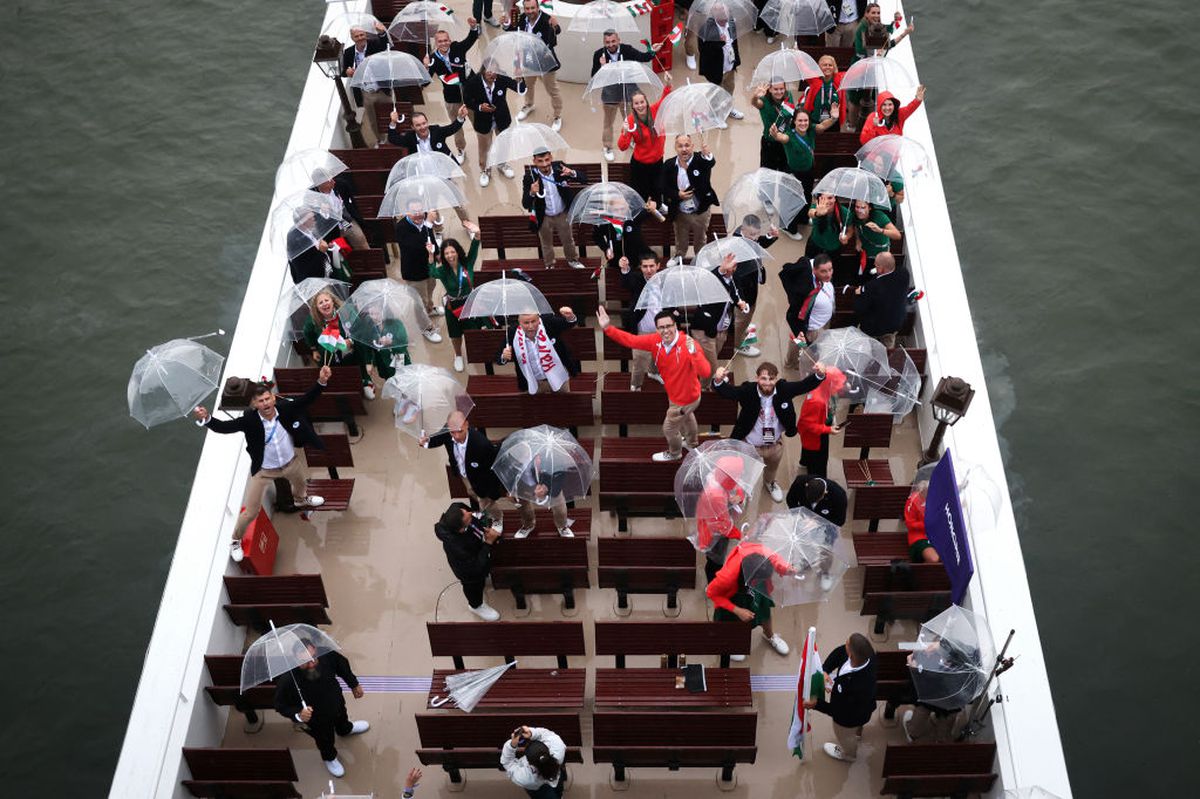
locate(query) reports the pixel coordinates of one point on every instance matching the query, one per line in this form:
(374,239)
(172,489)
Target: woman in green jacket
(873,232)
(799,143)
(455,270)
(335,348)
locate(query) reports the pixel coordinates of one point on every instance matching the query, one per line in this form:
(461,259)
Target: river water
(140,141)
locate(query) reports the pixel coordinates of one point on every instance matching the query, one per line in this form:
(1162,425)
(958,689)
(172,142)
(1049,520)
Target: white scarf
(551,366)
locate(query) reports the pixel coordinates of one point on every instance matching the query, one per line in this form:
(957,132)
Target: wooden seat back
(500,403)
(672,638)
(369,158)
(893,683)
(507,639)
(334,456)
(542,565)
(236,773)
(274,589)
(225,674)
(457,741)
(674,740)
(621,406)
(341,400)
(868,430)
(905,576)
(655,565)
(876,548)
(951,769)
(630,483)
(364,265)
(879,502)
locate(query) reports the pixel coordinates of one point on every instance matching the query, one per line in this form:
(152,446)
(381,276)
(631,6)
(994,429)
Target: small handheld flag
(453,79)
(915,294)
(751,338)
(676,34)
(547,5)
(787,108)
(446,10)
(331,338)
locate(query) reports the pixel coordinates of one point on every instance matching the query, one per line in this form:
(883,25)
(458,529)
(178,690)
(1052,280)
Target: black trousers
(481,9)
(643,178)
(548,792)
(816,460)
(473,591)
(324,725)
(806,180)
(772,156)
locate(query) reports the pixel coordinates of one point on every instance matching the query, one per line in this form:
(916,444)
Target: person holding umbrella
(872,231)
(340,190)
(881,304)
(740,591)
(329,343)
(455,270)
(426,138)
(719,55)
(850,677)
(313,697)
(471,454)
(546,194)
(769,99)
(889,116)
(448,61)
(467,539)
(545,467)
(415,239)
(547,29)
(536,343)
(366,43)
(685,185)
(821,96)
(615,97)
(817,423)
(645,164)
(485,94)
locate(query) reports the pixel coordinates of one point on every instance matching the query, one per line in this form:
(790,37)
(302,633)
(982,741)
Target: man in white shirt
(809,286)
(548,191)
(719,55)
(847,14)
(534,758)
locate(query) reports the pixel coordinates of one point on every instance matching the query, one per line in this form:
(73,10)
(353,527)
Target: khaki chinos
(293,471)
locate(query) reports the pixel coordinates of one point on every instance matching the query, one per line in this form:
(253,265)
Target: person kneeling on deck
(733,599)
(274,431)
(467,540)
(536,343)
(681,364)
(534,758)
(313,697)
(850,683)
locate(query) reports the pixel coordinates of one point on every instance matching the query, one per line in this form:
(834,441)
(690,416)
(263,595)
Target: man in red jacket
(682,365)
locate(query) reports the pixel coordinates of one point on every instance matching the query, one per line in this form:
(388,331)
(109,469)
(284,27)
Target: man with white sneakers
(546,28)
(312,696)
(485,94)
(448,62)
(616,97)
(850,682)
(416,240)
(719,55)
(467,540)
(546,193)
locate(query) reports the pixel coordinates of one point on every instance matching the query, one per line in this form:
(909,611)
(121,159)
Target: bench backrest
(923,760)
(648,477)
(276,589)
(240,764)
(671,638)
(505,638)
(619,405)
(457,730)
(298,380)
(880,502)
(482,346)
(867,430)
(905,577)
(370,157)
(336,453)
(659,729)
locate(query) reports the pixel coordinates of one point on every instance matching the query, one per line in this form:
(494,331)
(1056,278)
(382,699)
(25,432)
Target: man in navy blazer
(471,455)
(882,302)
(850,675)
(365,43)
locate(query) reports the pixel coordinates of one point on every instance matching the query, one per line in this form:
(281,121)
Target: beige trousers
(741,323)
(543,387)
(791,360)
(484,140)
(611,112)
(370,130)
(560,226)
(847,739)
(293,472)
(690,229)
(639,367)
(928,728)
(558,508)
(425,289)
(680,426)
(355,236)
(460,138)
(772,455)
(842,36)
(887,339)
(729,81)
(710,347)
(551,82)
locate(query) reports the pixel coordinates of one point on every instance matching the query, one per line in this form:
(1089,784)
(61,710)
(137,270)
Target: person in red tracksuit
(736,598)
(648,144)
(814,423)
(681,364)
(889,116)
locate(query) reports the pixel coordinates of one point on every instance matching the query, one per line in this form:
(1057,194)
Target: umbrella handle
(438,701)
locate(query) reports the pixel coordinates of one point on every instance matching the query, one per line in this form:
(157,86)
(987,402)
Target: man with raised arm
(448,62)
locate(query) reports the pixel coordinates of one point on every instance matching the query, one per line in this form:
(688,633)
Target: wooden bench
(241,773)
(674,740)
(631,484)
(672,638)
(482,346)
(893,682)
(506,639)
(366,265)
(383,117)
(520,688)
(225,674)
(621,406)
(875,503)
(370,158)
(954,769)
(561,285)
(341,400)
(658,688)
(866,431)
(335,455)
(662,234)
(257,600)
(500,403)
(904,590)
(460,741)
(880,548)
(545,562)
(652,565)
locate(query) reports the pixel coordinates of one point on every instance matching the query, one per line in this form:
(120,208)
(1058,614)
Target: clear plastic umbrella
(785,66)
(618,81)
(749,254)
(878,73)
(519,54)
(897,392)
(390,69)
(381,313)
(766,193)
(742,13)
(294,306)
(684,287)
(425,397)
(599,16)
(861,359)
(429,164)
(605,204)
(465,689)
(521,140)
(811,546)
(341,26)
(852,183)
(693,108)
(307,169)
(422,192)
(798,17)
(504,298)
(891,157)
(281,650)
(420,20)
(952,658)
(713,480)
(302,219)
(171,379)
(540,463)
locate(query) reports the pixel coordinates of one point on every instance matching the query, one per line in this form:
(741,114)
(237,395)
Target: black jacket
(555,327)
(630,242)
(613,94)
(375,44)
(458,63)
(797,280)
(542,29)
(712,51)
(292,420)
(883,304)
(310,263)
(438,134)
(474,95)
(747,397)
(835,8)
(479,457)
(751,274)
(832,506)
(537,205)
(853,697)
(699,176)
(631,314)
(343,187)
(323,694)
(469,557)
(414,258)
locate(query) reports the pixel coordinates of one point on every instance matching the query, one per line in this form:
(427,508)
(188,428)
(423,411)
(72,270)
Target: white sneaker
(369,391)
(437,309)
(770,40)
(460,157)
(458,363)
(835,751)
(904,720)
(691,62)
(484,179)
(335,767)
(635,388)
(495,23)
(432,335)
(794,235)
(556,125)
(486,612)
(565,532)
(410,413)
(525,111)
(236,553)
(360,726)
(826,582)
(608,154)
(507,171)
(775,491)
(665,457)
(736,114)
(311,501)
(523,532)
(778,644)
(750,351)
(576,265)
(737,658)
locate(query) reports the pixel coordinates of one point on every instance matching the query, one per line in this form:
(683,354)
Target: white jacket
(518,768)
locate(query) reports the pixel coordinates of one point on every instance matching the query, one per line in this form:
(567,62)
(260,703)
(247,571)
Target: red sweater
(647,144)
(725,585)
(874,125)
(681,371)
(914,517)
(814,412)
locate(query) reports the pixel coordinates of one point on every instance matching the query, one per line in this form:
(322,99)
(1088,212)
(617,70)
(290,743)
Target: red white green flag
(788,108)
(676,34)
(810,683)
(453,79)
(446,10)
(331,338)
(617,224)
(547,5)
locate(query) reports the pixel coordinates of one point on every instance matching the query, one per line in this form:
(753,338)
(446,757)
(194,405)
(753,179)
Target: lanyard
(444,59)
(274,427)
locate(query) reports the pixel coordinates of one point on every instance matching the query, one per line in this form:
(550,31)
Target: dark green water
(140,141)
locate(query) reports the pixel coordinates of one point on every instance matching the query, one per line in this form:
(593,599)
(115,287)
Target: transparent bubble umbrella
(605,203)
(467,688)
(798,17)
(684,287)
(504,298)
(294,308)
(281,650)
(541,463)
(618,81)
(894,157)
(422,192)
(302,219)
(952,658)
(879,73)
(425,397)
(599,16)
(307,169)
(859,357)
(773,196)
(852,183)
(896,392)
(785,66)
(748,254)
(811,546)
(693,108)
(520,141)
(519,54)
(381,313)
(420,20)
(170,380)
(711,481)
(742,13)
(437,165)
(341,26)
(390,69)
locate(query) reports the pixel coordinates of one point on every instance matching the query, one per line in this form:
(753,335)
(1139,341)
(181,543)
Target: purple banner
(946,529)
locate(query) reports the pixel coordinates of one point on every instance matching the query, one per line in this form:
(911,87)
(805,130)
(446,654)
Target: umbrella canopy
(541,463)
(952,659)
(390,69)
(785,66)
(810,545)
(852,183)
(879,73)
(893,157)
(380,313)
(862,359)
(749,254)
(798,17)
(503,298)
(281,650)
(521,140)
(769,194)
(418,21)
(693,108)
(683,287)
(431,164)
(305,169)
(171,379)
(618,81)
(897,392)
(466,688)
(704,16)
(295,307)
(713,479)
(519,54)
(599,16)
(341,26)
(302,219)
(421,193)
(425,397)
(605,203)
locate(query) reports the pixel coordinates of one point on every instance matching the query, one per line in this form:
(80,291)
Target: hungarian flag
(618,224)
(646,43)
(638,9)
(787,108)
(453,79)
(810,684)
(751,338)
(331,338)
(546,5)
(676,33)
(446,10)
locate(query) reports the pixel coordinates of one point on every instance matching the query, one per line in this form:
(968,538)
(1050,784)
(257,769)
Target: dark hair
(860,648)
(756,568)
(821,259)
(815,488)
(452,518)
(420,114)
(648,255)
(537,754)
(751,220)
(768,367)
(454,245)
(258,389)
(664,314)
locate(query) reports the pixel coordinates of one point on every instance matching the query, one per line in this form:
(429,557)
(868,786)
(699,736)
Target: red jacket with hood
(874,125)
(814,413)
